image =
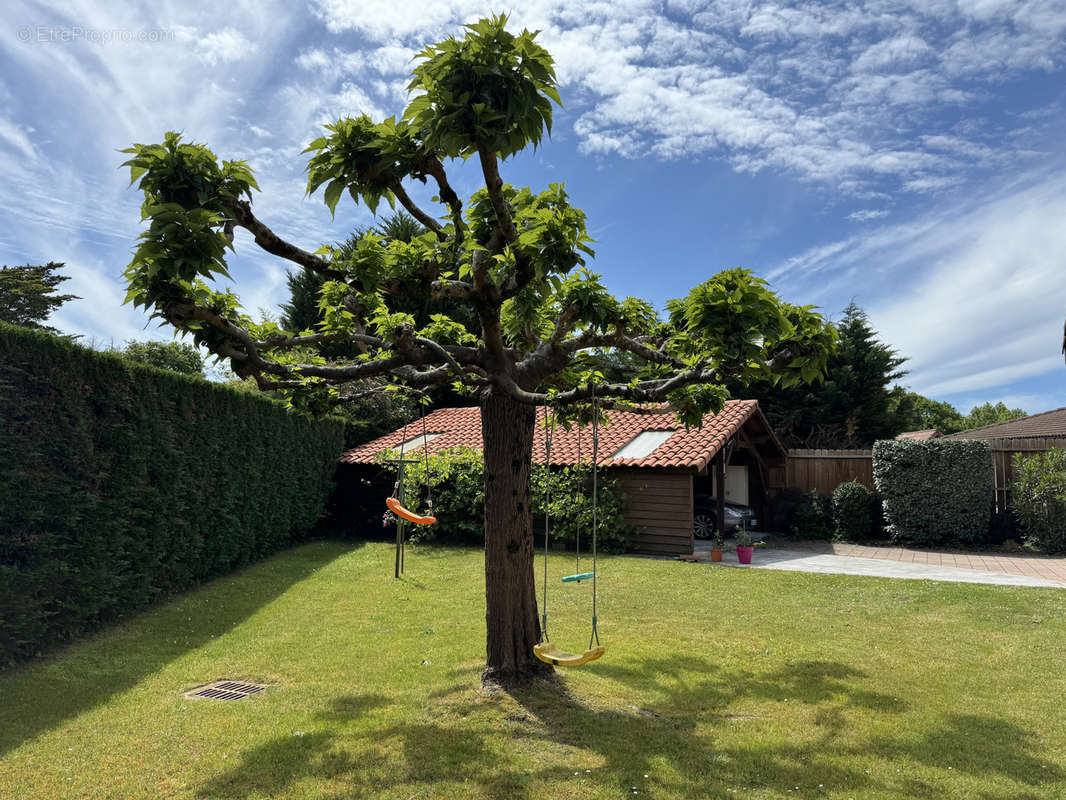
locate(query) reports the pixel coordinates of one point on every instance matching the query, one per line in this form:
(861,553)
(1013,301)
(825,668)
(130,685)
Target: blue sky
(908,155)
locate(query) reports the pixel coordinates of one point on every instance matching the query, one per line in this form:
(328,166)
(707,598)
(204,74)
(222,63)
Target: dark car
(705,517)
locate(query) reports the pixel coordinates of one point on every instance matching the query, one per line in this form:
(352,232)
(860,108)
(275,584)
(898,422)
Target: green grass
(717,682)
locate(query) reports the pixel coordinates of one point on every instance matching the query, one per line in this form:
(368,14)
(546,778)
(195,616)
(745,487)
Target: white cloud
(224,46)
(971,293)
(829,92)
(16,137)
(867,214)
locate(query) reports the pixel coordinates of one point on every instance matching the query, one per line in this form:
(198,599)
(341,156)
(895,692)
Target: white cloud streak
(972,294)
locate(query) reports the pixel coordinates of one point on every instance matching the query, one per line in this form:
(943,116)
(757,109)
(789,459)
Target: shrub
(780,509)
(935,493)
(456,477)
(1038,498)
(852,519)
(812,517)
(1004,527)
(120,483)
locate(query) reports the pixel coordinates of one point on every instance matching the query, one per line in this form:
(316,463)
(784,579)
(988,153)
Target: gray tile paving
(800,561)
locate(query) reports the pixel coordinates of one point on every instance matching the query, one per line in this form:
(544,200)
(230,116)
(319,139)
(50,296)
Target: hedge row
(935,493)
(120,483)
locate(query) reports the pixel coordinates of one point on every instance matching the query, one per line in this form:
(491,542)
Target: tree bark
(512,625)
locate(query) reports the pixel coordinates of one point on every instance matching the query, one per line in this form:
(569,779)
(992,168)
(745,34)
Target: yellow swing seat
(550,654)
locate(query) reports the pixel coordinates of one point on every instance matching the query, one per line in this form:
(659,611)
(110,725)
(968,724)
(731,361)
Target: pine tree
(28,294)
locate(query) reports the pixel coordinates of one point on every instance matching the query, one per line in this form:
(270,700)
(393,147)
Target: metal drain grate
(225,690)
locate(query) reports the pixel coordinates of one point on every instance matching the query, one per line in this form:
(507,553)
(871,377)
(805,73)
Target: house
(1046,425)
(661,465)
(1027,435)
(921,436)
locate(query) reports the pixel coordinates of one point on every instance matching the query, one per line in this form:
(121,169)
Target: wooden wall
(659,506)
(824,470)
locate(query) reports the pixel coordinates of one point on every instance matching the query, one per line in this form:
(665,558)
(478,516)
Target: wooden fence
(1003,451)
(824,470)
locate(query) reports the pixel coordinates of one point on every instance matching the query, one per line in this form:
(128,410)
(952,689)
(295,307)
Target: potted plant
(716,547)
(745,546)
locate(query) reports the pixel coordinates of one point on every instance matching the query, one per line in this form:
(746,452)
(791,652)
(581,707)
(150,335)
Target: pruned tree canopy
(513,259)
(514,256)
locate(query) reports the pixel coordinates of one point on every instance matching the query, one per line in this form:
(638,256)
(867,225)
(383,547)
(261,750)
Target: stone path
(896,562)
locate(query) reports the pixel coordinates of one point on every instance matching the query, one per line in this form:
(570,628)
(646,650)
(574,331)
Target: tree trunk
(513,627)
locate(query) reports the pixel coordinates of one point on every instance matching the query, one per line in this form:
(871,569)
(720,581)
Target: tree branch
(416,212)
(433,167)
(494,184)
(274,244)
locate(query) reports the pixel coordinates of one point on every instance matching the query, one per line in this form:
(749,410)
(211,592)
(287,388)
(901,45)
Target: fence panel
(1003,451)
(824,470)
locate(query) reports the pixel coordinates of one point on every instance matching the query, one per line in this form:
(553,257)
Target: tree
(920,413)
(513,258)
(28,294)
(854,406)
(173,356)
(989,413)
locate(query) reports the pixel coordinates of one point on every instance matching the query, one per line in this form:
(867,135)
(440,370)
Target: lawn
(717,682)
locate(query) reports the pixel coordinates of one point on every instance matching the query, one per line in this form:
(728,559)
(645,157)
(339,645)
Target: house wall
(659,506)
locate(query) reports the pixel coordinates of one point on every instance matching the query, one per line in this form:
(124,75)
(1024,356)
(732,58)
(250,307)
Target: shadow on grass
(39,695)
(510,744)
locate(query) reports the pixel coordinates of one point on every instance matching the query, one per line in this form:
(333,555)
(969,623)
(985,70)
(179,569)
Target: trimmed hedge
(935,493)
(120,483)
(1038,498)
(457,479)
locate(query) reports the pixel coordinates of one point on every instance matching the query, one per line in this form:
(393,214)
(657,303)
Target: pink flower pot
(744,554)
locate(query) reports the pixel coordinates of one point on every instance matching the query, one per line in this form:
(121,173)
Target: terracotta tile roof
(689,449)
(1047,425)
(921,436)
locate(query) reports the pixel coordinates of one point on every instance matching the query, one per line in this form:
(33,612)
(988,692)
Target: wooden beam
(763,469)
(719,474)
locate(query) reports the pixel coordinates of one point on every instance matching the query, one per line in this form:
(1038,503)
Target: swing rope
(595,505)
(545,650)
(549,431)
(425,452)
(393,503)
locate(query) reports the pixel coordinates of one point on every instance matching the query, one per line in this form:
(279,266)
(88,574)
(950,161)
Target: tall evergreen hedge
(938,492)
(120,483)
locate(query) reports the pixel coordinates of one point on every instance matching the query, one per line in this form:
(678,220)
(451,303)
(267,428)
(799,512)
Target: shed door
(736,485)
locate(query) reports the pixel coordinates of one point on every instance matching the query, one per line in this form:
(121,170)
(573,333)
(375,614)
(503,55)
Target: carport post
(719,480)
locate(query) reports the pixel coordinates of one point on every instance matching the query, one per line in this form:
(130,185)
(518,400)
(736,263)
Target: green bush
(935,493)
(456,477)
(852,517)
(1038,499)
(812,517)
(120,483)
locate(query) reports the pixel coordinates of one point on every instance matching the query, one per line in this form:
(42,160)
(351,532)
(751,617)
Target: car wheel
(703,526)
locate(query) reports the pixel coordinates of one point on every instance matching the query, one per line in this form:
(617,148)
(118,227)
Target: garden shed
(659,463)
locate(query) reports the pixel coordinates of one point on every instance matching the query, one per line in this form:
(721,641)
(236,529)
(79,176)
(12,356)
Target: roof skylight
(643,444)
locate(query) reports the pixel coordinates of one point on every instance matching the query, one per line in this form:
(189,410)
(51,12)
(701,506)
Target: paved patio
(1005,569)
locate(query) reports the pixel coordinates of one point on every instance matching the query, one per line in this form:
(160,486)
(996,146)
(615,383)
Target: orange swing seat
(396,508)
